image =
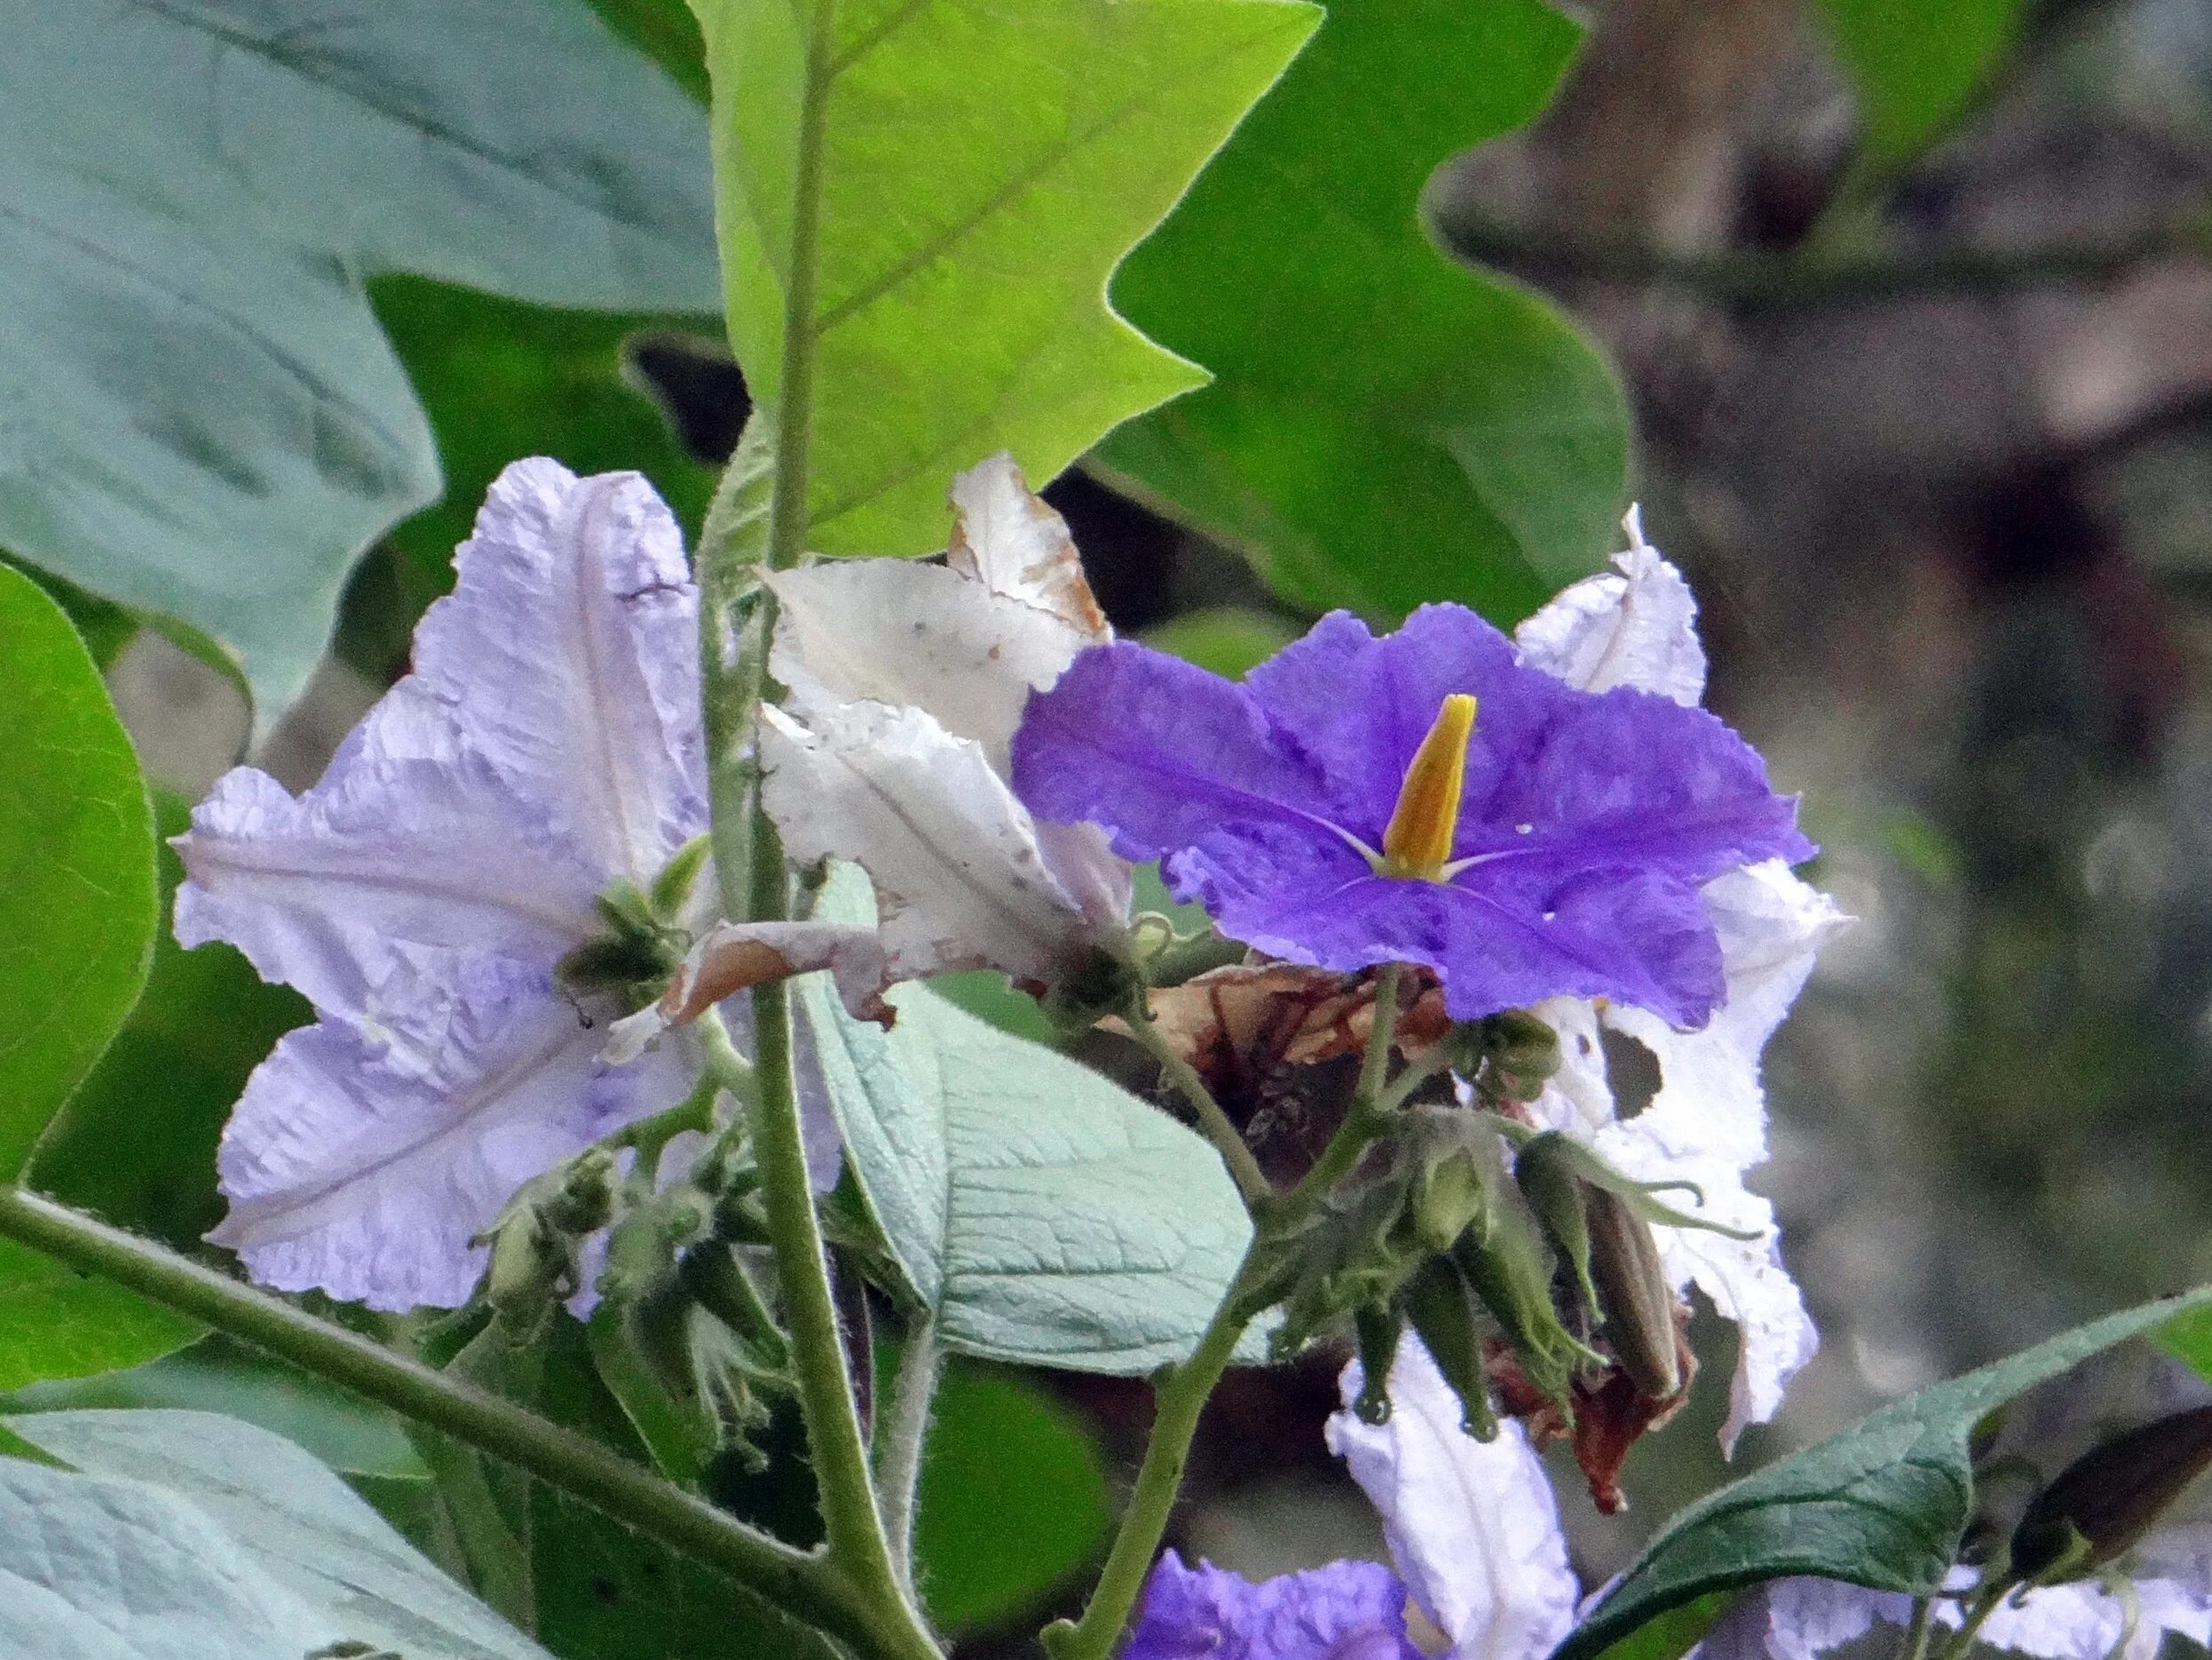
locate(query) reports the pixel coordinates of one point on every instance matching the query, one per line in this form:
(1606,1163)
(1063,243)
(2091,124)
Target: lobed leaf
(975,169)
(204,418)
(1387,428)
(1885,1503)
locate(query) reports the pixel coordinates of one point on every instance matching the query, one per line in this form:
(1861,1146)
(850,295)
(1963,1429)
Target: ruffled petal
(955,857)
(1344,1612)
(1472,1524)
(1799,1619)
(900,633)
(1638,628)
(567,654)
(367,1153)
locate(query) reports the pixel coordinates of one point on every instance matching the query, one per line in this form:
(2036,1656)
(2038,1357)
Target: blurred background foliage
(1907,308)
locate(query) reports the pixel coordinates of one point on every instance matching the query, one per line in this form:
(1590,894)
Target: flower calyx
(2102,1505)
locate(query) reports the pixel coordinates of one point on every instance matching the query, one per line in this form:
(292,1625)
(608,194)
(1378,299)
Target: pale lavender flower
(546,744)
(1344,1612)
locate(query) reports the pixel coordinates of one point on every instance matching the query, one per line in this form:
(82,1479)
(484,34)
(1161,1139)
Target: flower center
(1417,843)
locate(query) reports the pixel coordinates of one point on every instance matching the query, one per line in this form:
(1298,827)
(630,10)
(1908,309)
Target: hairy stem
(1213,1123)
(903,1432)
(810,1588)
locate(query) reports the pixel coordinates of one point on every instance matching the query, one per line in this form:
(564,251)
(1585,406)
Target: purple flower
(546,744)
(1318,810)
(1344,1612)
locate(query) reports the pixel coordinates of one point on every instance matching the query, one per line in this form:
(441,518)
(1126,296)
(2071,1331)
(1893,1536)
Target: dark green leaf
(1385,429)
(197,194)
(1885,1503)
(979,172)
(1915,64)
(76,867)
(1012,1501)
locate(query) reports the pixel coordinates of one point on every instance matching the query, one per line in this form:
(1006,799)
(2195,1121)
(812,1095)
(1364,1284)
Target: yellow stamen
(1418,841)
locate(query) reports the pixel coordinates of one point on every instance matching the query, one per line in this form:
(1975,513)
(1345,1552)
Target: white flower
(1707,1122)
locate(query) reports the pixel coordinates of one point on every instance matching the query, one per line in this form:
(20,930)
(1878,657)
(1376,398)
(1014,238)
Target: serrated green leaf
(76,867)
(204,419)
(1885,1503)
(1042,1212)
(973,169)
(1385,428)
(1915,64)
(188,1534)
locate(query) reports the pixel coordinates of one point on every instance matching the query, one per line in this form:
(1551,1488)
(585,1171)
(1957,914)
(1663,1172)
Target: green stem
(1178,1401)
(1375,1064)
(903,1432)
(1252,1182)
(1915,1646)
(1962,1641)
(817,1590)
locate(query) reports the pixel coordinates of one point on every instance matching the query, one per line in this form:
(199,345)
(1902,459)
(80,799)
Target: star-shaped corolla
(1435,796)
(1706,1123)
(904,684)
(1344,1612)
(546,744)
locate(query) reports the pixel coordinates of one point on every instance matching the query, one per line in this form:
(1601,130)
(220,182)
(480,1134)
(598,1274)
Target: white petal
(319,892)
(1010,542)
(1707,1122)
(1471,1525)
(1639,628)
(568,655)
(1799,1619)
(902,633)
(953,855)
(367,1153)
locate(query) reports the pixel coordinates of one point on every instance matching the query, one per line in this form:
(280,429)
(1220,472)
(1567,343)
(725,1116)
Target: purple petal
(568,654)
(1344,1612)
(365,1155)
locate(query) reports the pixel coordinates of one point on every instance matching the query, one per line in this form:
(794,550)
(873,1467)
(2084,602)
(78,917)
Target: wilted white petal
(365,1153)
(1008,539)
(732,957)
(568,655)
(898,632)
(1638,628)
(953,855)
(1471,1525)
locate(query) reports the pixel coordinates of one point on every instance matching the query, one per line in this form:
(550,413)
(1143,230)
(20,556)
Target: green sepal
(1572,1155)
(1378,1327)
(1545,1173)
(1507,1267)
(671,889)
(1438,1303)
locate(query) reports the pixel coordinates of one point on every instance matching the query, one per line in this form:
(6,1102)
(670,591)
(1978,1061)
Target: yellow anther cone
(1418,840)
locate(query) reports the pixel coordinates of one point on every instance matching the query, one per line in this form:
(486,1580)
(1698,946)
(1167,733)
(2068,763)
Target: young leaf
(1915,64)
(1041,1211)
(196,194)
(187,1534)
(76,867)
(1386,428)
(934,194)
(1883,1503)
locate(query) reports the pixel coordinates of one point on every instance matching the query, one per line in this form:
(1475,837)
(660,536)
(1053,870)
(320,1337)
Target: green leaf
(1227,639)
(2189,1340)
(196,195)
(218,1375)
(137,1141)
(184,1534)
(1915,64)
(1386,428)
(1013,1499)
(970,176)
(1885,1503)
(1044,1212)
(76,866)
(56,1323)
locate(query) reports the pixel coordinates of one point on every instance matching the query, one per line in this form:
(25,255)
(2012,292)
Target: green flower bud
(1452,1189)
(1522,1053)
(1438,1303)
(2102,1504)
(1633,1294)
(1506,1265)
(673,887)
(1377,1328)
(1546,1169)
